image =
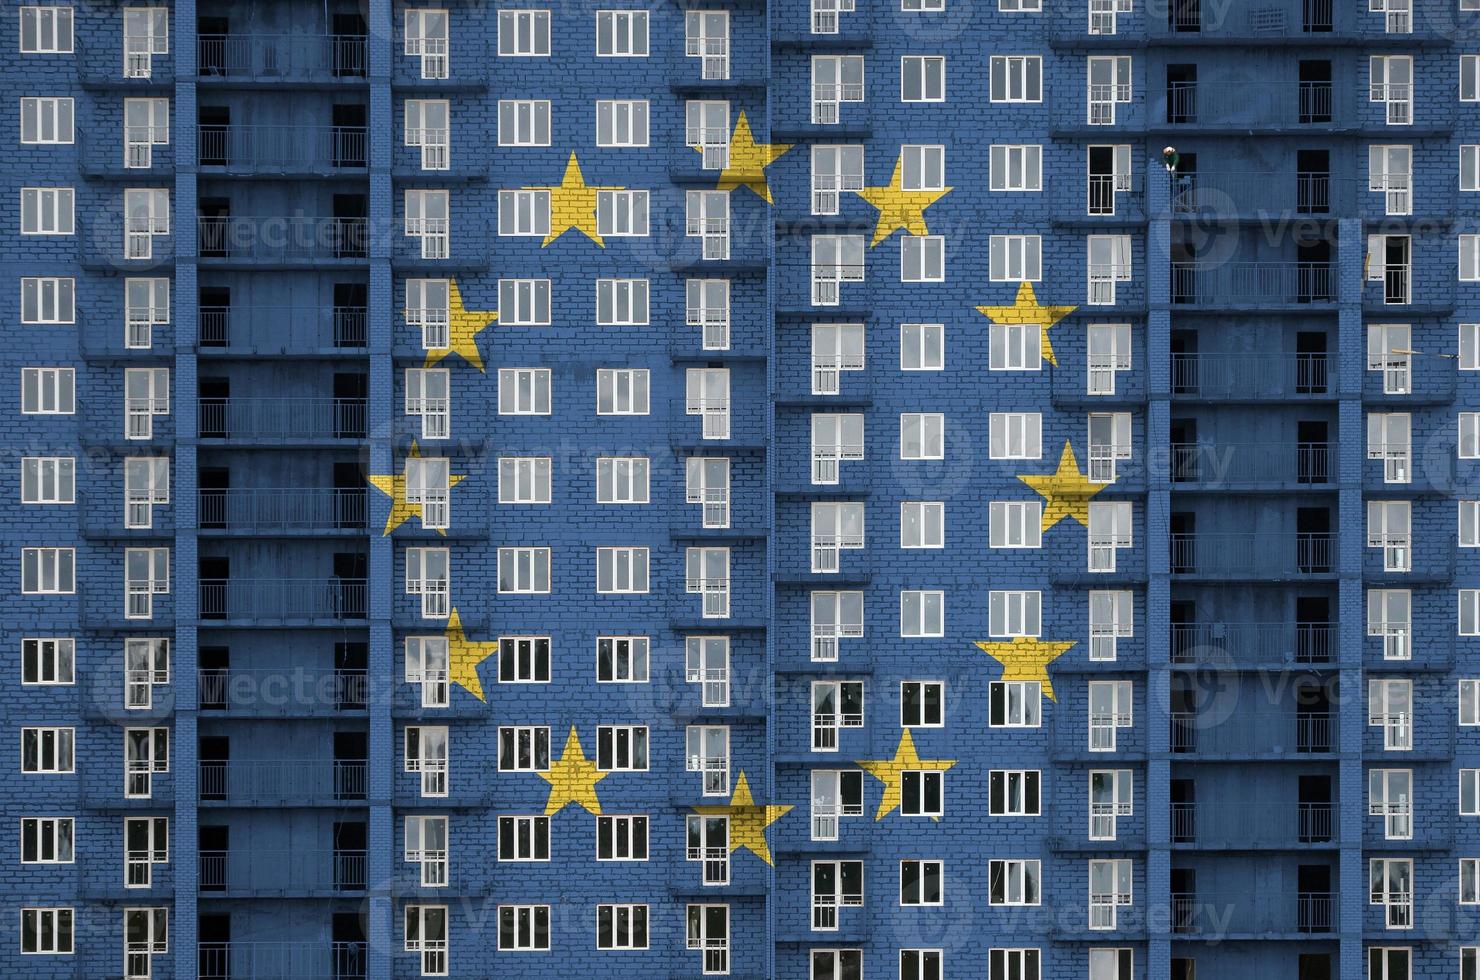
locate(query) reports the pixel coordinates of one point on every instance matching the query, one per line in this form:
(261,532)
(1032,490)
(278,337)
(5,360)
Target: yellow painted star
(1027,309)
(748,161)
(393,485)
(463,327)
(1026,659)
(1065,492)
(573,779)
(891,772)
(748,819)
(573,204)
(464,656)
(899,208)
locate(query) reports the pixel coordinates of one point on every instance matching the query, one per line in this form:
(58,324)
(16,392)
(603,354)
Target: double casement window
(707,394)
(1391,83)
(146,393)
(1390,439)
(835,964)
(427,754)
(921,882)
(1109,85)
(1111,616)
(836,348)
(426,847)
(707,305)
(834,615)
(429,219)
(1111,795)
(921,964)
(1390,616)
(922,524)
(836,527)
(1109,710)
(835,884)
(426,936)
(708,930)
(145,752)
(836,793)
(428,485)
(922,258)
(1390,707)
(708,219)
(1389,351)
(429,575)
(1390,173)
(1109,441)
(1390,527)
(1109,175)
(835,79)
(1109,889)
(1390,796)
(922,78)
(146,33)
(707,752)
(922,435)
(145,934)
(428,308)
(146,306)
(1109,259)
(146,573)
(707,37)
(922,613)
(429,397)
(524,838)
(146,124)
(1392,888)
(426,40)
(1109,532)
(922,347)
(707,574)
(707,664)
(146,214)
(922,704)
(922,167)
(428,127)
(521,122)
(836,169)
(835,705)
(836,259)
(426,665)
(707,483)
(146,665)
(707,130)
(146,842)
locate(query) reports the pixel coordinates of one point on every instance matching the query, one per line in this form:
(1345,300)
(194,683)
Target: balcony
(282,420)
(284,692)
(1252,734)
(1256,377)
(266,873)
(1254,465)
(283,782)
(1214,915)
(1265,644)
(1311,20)
(267,330)
(1256,194)
(1278,824)
(1241,106)
(1277,555)
(1253,285)
(282,58)
(282,961)
(310,510)
(101,63)
(282,240)
(282,150)
(283,600)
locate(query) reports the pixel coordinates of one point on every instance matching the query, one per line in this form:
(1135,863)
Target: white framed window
(1469,523)
(922,435)
(836,259)
(707,574)
(707,37)
(622,123)
(621,33)
(146,306)
(1016,258)
(1015,704)
(621,571)
(1110,530)
(524,660)
(524,570)
(48,479)
(1469,78)
(427,847)
(835,437)
(1111,616)
(428,306)
(47,211)
(1390,707)
(922,612)
(922,524)
(145,934)
(922,793)
(48,660)
(622,837)
(429,220)
(1469,881)
(707,130)
(46,30)
(1014,612)
(46,931)
(622,659)
(836,348)
(1390,173)
(146,124)
(1015,963)
(1392,887)
(524,213)
(1111,796)
(146,393)
(923,6)
(707,394)
(524,302)
(524,748)
(1390,79)
(47,840)
(836,79)
(707,217)
(48,299)
(835,884)
(921,964)
(1469,258)
(524,391)
(146,666)
(837,526)
(1469,167)
(1390,527)
(922,347)
(1109,710)
(1469,702)
(145,752)
(1108,262)
(146,574)
(922,78)
(834,615)
(1469,346)
(836,168)
(1015,524)
(524,33)
(46,120)
(836,793)
(426,936)
(622,748)
(1013,882)
(47,750)
(1109,85)
(429,486)
(707,663)
(707,751)
(1014,792)
(1389,350)
(622,391)
(707,305)
(1469,435)
(835,705)
(1015,435)
(426,39)
(427,666)
(708,930)
(922,258)
(1390,439)
(707,483)
(1389,615)
(48,571)
(146,215)
(828,964)
(522,122)
(48,391)
(622,479)
(922,704)
(1017,78)
(1109,889)
(922,167)
(1469,792)
(1016,167)
(1390,796)
(524,838)
(146,842)
(622,214)
(429,397)
(621,927)
(622,302)
(1469,612)
(1109,438)
(146,33)
(427,752)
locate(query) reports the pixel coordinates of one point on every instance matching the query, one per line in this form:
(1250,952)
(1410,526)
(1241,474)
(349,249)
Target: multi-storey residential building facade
(909,489)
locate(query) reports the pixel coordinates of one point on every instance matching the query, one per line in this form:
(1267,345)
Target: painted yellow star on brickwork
(573,204)
(1065,492)
(464,656)
(748,161)
(1027,309)
(1026,659)
(393,485)
(748,819)
(463,327)
(899,208)
(891,772)
(572,779)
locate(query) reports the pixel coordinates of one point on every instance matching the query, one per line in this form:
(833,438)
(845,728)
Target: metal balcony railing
(1249,104)
(294,871)
(1271,822)
(1281,643)
(290,509)
(1298,192)
(1214,914)
(1252,733)
(282,148)
(286,690)
(283,598)
(282,418)
(282,238)
(1232,464)
(282,329)
(1257,284)
(282,961)
(1260,19)
(1251,375)
(283,780)
(282,57)
(1274,555)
